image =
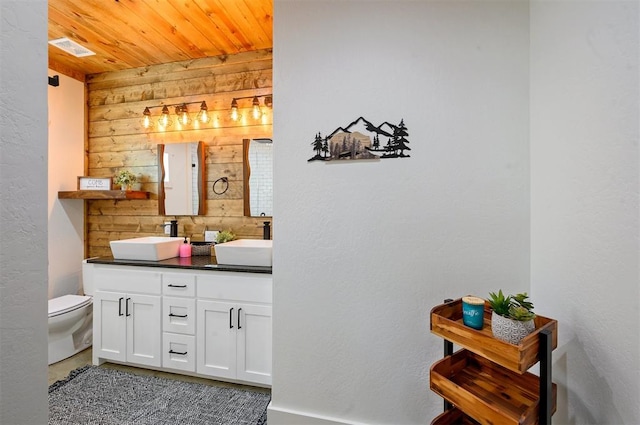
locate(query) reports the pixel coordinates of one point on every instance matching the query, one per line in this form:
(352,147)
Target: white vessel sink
(150,248)
(245,252)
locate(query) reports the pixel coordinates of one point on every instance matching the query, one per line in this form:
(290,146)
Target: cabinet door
(109,326)
(216,336)
(144,329)
(254,343)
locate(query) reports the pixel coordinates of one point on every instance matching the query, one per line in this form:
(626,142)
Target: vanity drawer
(179,351)
(249,287)
(180,285)
(127,279)
(179,315)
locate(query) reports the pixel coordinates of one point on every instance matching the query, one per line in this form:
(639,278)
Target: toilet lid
(67,303)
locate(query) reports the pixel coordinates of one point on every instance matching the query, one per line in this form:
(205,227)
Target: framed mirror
(181,179)
(258,177)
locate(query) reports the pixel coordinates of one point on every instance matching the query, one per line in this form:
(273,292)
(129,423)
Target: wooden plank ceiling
(135,33)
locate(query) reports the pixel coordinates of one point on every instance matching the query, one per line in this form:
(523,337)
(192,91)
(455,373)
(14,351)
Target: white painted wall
(364,250)
(584,202)
(23,212)
(66,162)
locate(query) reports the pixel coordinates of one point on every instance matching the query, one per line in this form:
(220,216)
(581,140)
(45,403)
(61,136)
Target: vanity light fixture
(183,120)
(256,110)
(182,116)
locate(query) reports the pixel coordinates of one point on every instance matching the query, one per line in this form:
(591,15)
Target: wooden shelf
(488,392)
(453,416)
(103,194)
(446,322)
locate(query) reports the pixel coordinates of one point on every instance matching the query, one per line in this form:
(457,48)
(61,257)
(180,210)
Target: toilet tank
(88,285)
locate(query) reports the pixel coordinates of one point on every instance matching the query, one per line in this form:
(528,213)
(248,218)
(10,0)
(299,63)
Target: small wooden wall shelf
(103,194)
(486,390)
(446,321)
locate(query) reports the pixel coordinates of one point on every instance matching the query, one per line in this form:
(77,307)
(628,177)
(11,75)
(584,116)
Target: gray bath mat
(94,395)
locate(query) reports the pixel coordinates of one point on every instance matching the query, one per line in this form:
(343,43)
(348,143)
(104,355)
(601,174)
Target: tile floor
(60,370)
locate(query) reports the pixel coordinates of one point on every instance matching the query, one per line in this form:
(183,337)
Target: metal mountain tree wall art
(362,140)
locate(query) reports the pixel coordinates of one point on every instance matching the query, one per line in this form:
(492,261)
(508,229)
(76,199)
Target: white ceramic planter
(509,330)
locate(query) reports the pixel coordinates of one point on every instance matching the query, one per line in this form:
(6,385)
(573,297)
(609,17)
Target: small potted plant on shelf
(125,179)
(512,316)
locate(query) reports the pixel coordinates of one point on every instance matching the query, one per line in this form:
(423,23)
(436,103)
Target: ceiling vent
(71,47)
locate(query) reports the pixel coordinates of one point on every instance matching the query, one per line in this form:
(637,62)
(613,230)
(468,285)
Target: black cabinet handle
(120,306)
(177,352)
(177,315)
(171,285)
(231,318)
(239,310)
(127,308)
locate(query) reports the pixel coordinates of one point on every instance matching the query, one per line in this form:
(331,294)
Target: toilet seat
(67,303)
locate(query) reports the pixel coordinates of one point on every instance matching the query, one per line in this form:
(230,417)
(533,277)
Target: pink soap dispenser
(185,249)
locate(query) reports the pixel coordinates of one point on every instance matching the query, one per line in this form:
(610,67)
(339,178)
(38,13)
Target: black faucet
(266,230)
(174,229)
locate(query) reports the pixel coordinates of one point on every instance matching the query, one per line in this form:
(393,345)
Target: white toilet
(70,324)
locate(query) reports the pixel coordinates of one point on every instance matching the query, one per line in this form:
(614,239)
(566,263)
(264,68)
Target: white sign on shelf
(94,183)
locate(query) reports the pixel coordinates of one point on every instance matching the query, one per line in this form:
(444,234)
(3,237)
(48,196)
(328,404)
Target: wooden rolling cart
(486,382)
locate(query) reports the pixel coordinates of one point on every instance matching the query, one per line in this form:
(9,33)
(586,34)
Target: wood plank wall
(117,140)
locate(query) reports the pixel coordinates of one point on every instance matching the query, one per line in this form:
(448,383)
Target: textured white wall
(23,212)
(584,202)
(66,162)
(364,250)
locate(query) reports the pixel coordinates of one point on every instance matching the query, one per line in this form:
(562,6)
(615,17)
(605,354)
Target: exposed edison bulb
(164,120)
(146,121)
(184,115)
(256,112)
(179,117)
(203,115)
(234,110)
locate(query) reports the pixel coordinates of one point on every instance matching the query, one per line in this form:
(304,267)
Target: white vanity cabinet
(234,326)
(208,323)
(126,316)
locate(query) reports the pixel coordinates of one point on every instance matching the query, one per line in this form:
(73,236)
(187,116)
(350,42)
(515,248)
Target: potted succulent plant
(512,316)
(125,179)
(225,236)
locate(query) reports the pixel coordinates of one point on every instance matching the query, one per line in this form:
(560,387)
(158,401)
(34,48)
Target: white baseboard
(282,416)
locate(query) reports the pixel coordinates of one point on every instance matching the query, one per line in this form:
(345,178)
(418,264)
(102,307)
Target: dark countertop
(198,262)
